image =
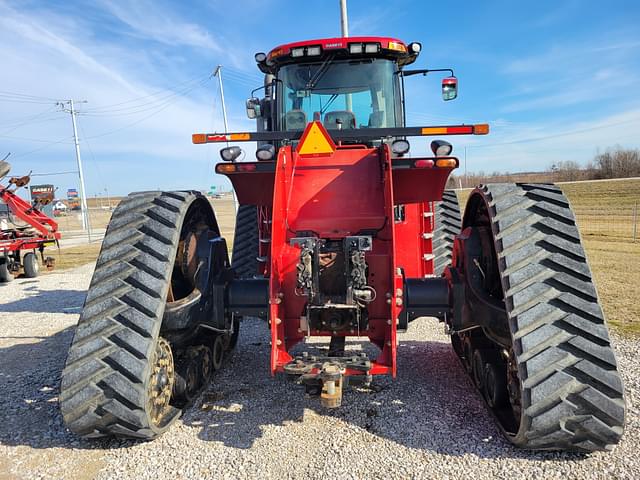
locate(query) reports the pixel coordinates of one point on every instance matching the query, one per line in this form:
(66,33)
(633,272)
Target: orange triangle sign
(315,141)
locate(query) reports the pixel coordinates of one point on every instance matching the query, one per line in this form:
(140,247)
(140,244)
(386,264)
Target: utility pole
(344,20)
(83,192)
(108,198)
(218,73)
(344,24)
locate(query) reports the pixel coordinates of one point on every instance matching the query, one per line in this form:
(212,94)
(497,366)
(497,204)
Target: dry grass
(614,260)
(616,271)
(76,256)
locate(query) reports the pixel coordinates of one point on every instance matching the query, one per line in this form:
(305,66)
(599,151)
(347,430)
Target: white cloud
(149,149)
(151,20)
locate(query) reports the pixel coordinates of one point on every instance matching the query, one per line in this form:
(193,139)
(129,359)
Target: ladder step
(428,256)
(427,214)
(262,259)
(265,240)
(426,236)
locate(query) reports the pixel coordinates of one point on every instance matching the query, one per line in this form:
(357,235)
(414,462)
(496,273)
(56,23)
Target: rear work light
(297,52)
(314,51)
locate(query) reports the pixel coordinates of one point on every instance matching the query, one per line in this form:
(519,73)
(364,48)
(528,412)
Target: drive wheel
(550,375)
(160,383)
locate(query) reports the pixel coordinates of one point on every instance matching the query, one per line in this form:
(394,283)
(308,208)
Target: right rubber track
(447,226)
(244,260)
(572,394)
(105,381)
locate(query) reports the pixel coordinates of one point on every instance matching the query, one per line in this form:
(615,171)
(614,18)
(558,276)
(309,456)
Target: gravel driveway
(428,423)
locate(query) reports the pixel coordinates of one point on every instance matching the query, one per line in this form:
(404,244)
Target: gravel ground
(428,423)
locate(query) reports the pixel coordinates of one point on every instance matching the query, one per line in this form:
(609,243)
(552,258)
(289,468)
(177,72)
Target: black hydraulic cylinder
(249,297)
(426,297)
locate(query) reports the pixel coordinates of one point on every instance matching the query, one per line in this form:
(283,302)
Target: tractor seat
(296,120)
(376,119)
(331,119)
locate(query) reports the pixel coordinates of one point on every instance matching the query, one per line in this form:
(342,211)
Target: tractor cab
(345,83)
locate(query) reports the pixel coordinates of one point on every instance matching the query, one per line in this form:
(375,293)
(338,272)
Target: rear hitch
(326,376)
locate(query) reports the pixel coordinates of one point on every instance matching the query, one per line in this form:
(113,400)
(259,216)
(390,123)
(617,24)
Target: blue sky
(557,80)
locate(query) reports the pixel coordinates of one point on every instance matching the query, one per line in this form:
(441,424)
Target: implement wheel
(550,375)
(30,265)
(5,273)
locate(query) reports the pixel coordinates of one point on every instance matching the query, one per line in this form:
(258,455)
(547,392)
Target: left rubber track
(105,383)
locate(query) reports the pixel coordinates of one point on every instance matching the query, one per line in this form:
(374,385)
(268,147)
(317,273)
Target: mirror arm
(423,72)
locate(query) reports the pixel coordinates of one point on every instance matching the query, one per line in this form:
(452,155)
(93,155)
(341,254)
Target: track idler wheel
(194,372)
(478,369)
(495,385)
(218,352)
(467,354)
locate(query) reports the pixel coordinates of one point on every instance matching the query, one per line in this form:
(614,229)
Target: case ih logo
(42,191)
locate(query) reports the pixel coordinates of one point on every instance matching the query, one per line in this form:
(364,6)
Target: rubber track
(245,242)
(104,383)
(572,394)
(447,226)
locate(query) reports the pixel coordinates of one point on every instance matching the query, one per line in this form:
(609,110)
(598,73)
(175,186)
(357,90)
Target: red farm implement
(342,233)
(24,230)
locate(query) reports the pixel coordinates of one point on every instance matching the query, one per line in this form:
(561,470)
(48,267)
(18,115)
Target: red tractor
(342,233)
(23,228)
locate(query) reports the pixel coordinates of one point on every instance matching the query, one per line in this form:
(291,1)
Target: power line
(146,107)
(52,142)
(75,172)
(24,95)
(40,148)
(30,120)
(106,109)
(557,135)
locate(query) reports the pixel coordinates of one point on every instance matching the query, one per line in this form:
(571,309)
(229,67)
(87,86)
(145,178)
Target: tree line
(615,162)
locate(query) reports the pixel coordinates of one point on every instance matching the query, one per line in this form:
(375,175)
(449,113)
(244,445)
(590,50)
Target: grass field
(615,261)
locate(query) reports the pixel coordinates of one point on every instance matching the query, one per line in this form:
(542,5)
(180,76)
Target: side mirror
(253,108)
(449,88)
